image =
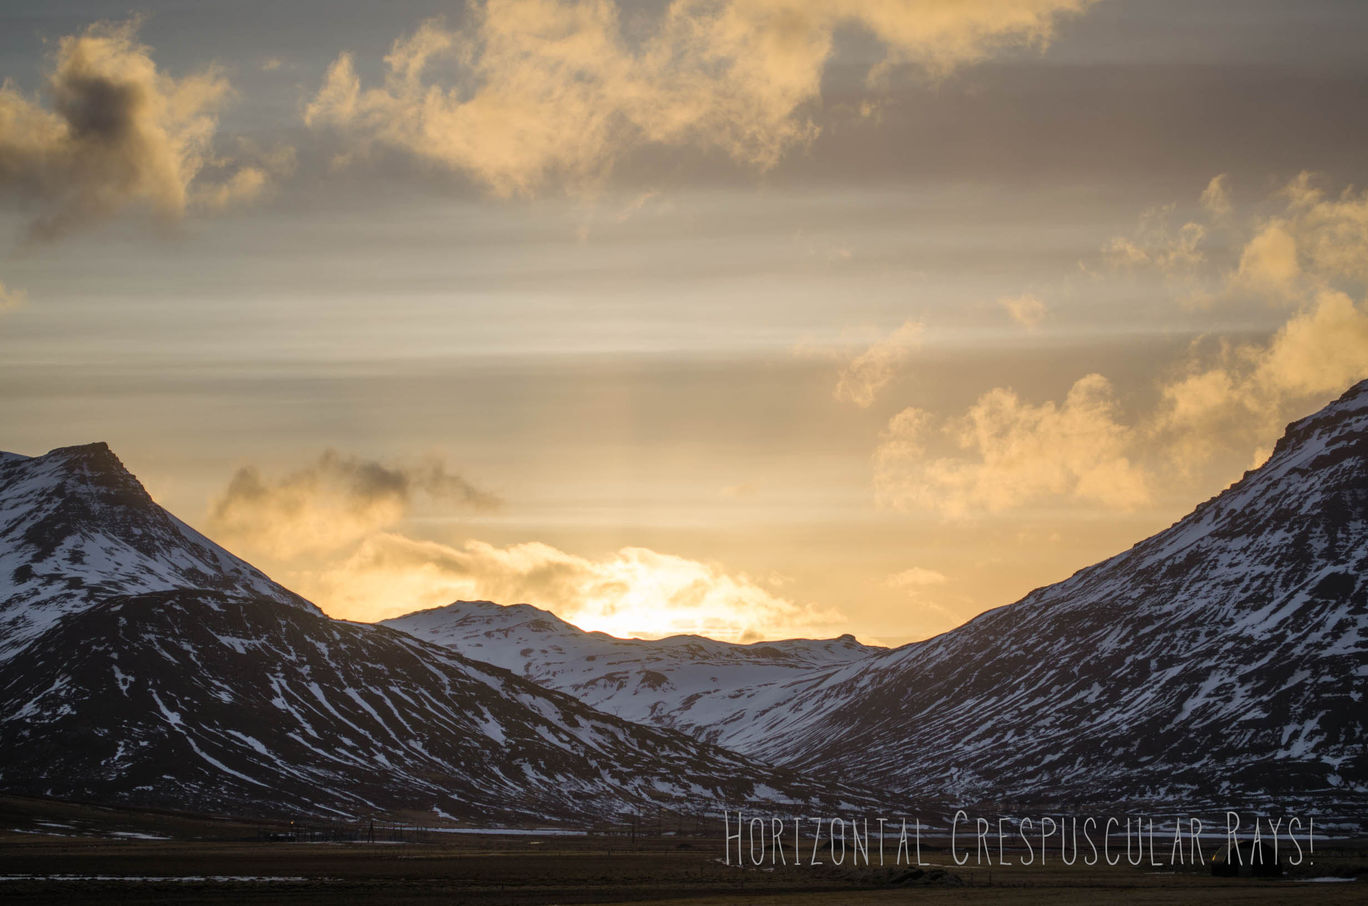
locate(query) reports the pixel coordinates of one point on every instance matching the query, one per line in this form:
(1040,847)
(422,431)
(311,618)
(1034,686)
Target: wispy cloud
(11,298)
(1027,310)
(865,375)
(331,504)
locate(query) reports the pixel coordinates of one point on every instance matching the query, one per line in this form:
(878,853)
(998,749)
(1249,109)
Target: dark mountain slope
(148,666)
(1224,660)
(76,527)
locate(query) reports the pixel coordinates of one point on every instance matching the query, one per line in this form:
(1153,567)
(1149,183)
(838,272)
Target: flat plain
(54,852)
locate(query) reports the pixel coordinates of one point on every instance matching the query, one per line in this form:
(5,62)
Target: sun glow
(633,593)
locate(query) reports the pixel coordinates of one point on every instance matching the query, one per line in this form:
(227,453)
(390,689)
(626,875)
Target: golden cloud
(1026,310)
(1305,255)
(1269,261)
(329,505)
(1332,234)
(553,89)
(864,376)
(1307,243)
(1156,244)
(1303,248)
(120,133)
(1010,453)
(1320,351)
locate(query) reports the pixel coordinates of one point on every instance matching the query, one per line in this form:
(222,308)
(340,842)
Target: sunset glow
(751,318)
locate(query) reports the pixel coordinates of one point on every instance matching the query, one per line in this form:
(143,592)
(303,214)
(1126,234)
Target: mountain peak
(96,466)
(77,528)
(1325,423)
(93,449)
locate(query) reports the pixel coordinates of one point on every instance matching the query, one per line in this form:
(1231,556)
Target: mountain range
(703,686)
(1224,660)
(146,666)
(1220,663)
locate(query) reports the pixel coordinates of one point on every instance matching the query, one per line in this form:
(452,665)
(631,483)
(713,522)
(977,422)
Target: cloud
(329,531)
(1320,351)
(531,91)
(250,176)
(1331,234)
(1215,198)
(916,577)
(1027,310)
(1269,261)
(1155,243)
(1308,254)
(1302,247)
(861,380)
(1009,453)
(119,134)
(1298,243)
(634,591)
(11,298)
(329,505)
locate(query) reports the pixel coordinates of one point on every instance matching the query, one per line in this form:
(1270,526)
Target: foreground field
(52,852)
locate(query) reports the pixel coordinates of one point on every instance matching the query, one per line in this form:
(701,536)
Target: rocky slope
(145,665)
(1223,661)
(691,683)
(76,527)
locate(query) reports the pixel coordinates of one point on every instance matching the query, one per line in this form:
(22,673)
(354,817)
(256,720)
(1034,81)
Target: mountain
(76,527)
(1222,661)
(147,666)
(687,682)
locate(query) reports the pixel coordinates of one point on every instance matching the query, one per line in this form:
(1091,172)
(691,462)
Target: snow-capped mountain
(76,527)
(688,682)
(148,666)
(1224,660)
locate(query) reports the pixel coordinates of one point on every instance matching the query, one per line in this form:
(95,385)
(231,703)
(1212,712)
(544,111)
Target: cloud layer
(535,90)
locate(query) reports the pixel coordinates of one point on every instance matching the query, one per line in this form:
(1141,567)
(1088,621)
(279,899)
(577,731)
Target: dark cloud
(119,134)
(332,502)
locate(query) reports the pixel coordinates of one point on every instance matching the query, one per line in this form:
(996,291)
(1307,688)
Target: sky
(749,318)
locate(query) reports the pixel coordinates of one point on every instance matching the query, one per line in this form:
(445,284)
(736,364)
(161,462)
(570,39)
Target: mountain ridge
(145,665)
(1223,658)
(76,526)
(685,682)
